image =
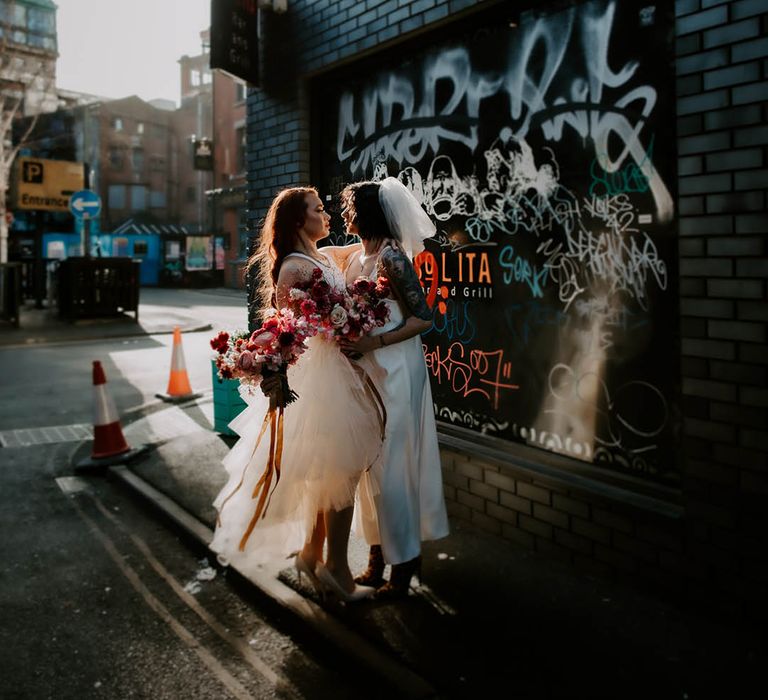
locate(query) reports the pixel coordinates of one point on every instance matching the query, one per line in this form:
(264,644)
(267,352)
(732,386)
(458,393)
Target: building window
(157,163)
(138,197)
(116,197)
(116,154)
(117,123)
(157,199)
(137,158)
(32,26)
(195,78)
(158,131)
(140,248)
(239,92)
(40,21)
(140,128)
(242,147)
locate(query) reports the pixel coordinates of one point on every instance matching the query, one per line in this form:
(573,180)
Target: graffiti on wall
(539,148)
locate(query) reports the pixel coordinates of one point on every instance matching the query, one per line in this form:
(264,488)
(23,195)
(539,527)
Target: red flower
(362,285)
(317,273)
(220,342)
(308,307)
(320,289)
(382,287)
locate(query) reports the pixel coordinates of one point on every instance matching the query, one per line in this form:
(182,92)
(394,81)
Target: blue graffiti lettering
(520,270)
(456,323)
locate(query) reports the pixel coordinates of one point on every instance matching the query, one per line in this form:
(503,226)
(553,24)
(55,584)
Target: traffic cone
(179,388)
(109,445)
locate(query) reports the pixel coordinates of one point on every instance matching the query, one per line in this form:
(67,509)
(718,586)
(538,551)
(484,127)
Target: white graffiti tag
(401,118)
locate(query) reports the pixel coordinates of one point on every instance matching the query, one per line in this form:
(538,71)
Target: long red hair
(279,236)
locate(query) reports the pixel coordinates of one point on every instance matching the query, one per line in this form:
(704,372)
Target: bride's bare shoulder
(294,268)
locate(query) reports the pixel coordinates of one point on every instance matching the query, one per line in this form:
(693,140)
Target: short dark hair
(362,199)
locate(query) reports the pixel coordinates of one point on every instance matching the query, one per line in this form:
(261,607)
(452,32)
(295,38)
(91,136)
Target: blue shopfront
(142,247)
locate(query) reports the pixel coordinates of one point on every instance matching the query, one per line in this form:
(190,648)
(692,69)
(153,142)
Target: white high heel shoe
(303,568)
(330,584)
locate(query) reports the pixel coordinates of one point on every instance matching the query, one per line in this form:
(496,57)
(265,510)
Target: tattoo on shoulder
(402,275)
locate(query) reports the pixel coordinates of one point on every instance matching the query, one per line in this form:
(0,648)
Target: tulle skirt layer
(331,434)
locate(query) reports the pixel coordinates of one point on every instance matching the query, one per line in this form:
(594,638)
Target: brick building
(28,52)
(213,107)
(597,174)
(137,146)
(227,198)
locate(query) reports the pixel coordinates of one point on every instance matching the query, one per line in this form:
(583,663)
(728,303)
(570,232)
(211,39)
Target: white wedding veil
(408,222)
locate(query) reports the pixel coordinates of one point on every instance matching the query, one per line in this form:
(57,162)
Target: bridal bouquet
(337,315)
(268,351)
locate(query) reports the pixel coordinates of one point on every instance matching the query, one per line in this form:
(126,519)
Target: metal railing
(98,287)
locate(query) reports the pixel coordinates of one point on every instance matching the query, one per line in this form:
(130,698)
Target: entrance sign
(47,184)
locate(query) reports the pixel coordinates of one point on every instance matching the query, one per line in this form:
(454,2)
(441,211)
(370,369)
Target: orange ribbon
(261,490)
(245,469)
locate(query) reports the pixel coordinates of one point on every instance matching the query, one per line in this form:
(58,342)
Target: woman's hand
(358,347)
(269,385)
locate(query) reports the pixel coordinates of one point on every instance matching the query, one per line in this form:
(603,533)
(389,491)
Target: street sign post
(85,205)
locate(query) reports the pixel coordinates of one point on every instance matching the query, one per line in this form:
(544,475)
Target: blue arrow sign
(85,204)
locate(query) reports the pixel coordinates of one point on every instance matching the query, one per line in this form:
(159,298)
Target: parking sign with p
(32,171)
(47,184)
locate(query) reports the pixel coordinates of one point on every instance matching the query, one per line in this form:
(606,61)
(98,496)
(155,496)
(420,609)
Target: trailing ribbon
(280,395)
(261,490)
(264,425)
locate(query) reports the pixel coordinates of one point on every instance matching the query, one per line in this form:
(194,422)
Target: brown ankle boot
(400,580)
(374,574)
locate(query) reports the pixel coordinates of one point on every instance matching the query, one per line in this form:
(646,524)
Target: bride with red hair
(312,503)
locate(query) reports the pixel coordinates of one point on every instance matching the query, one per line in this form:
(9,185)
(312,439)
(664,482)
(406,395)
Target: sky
(117,48)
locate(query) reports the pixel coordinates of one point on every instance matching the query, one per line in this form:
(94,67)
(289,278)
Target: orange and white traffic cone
(179,388)
(109,444)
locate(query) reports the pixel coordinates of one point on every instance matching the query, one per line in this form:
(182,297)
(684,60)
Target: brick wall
(328,32)
(722,87)
(602,533)
(715,537)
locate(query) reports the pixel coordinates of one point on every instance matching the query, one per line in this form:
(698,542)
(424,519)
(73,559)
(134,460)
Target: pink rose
(338,316)
(245,360)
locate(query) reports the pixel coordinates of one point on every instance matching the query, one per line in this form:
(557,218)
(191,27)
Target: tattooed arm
(405,284)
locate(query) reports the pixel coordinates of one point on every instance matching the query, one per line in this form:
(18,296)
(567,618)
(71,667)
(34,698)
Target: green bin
(227,402)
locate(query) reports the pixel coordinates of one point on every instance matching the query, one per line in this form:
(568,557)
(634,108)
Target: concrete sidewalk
(489,619)
(42,326)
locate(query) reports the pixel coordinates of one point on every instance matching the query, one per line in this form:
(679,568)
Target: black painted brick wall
(722,87)
(722,62)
